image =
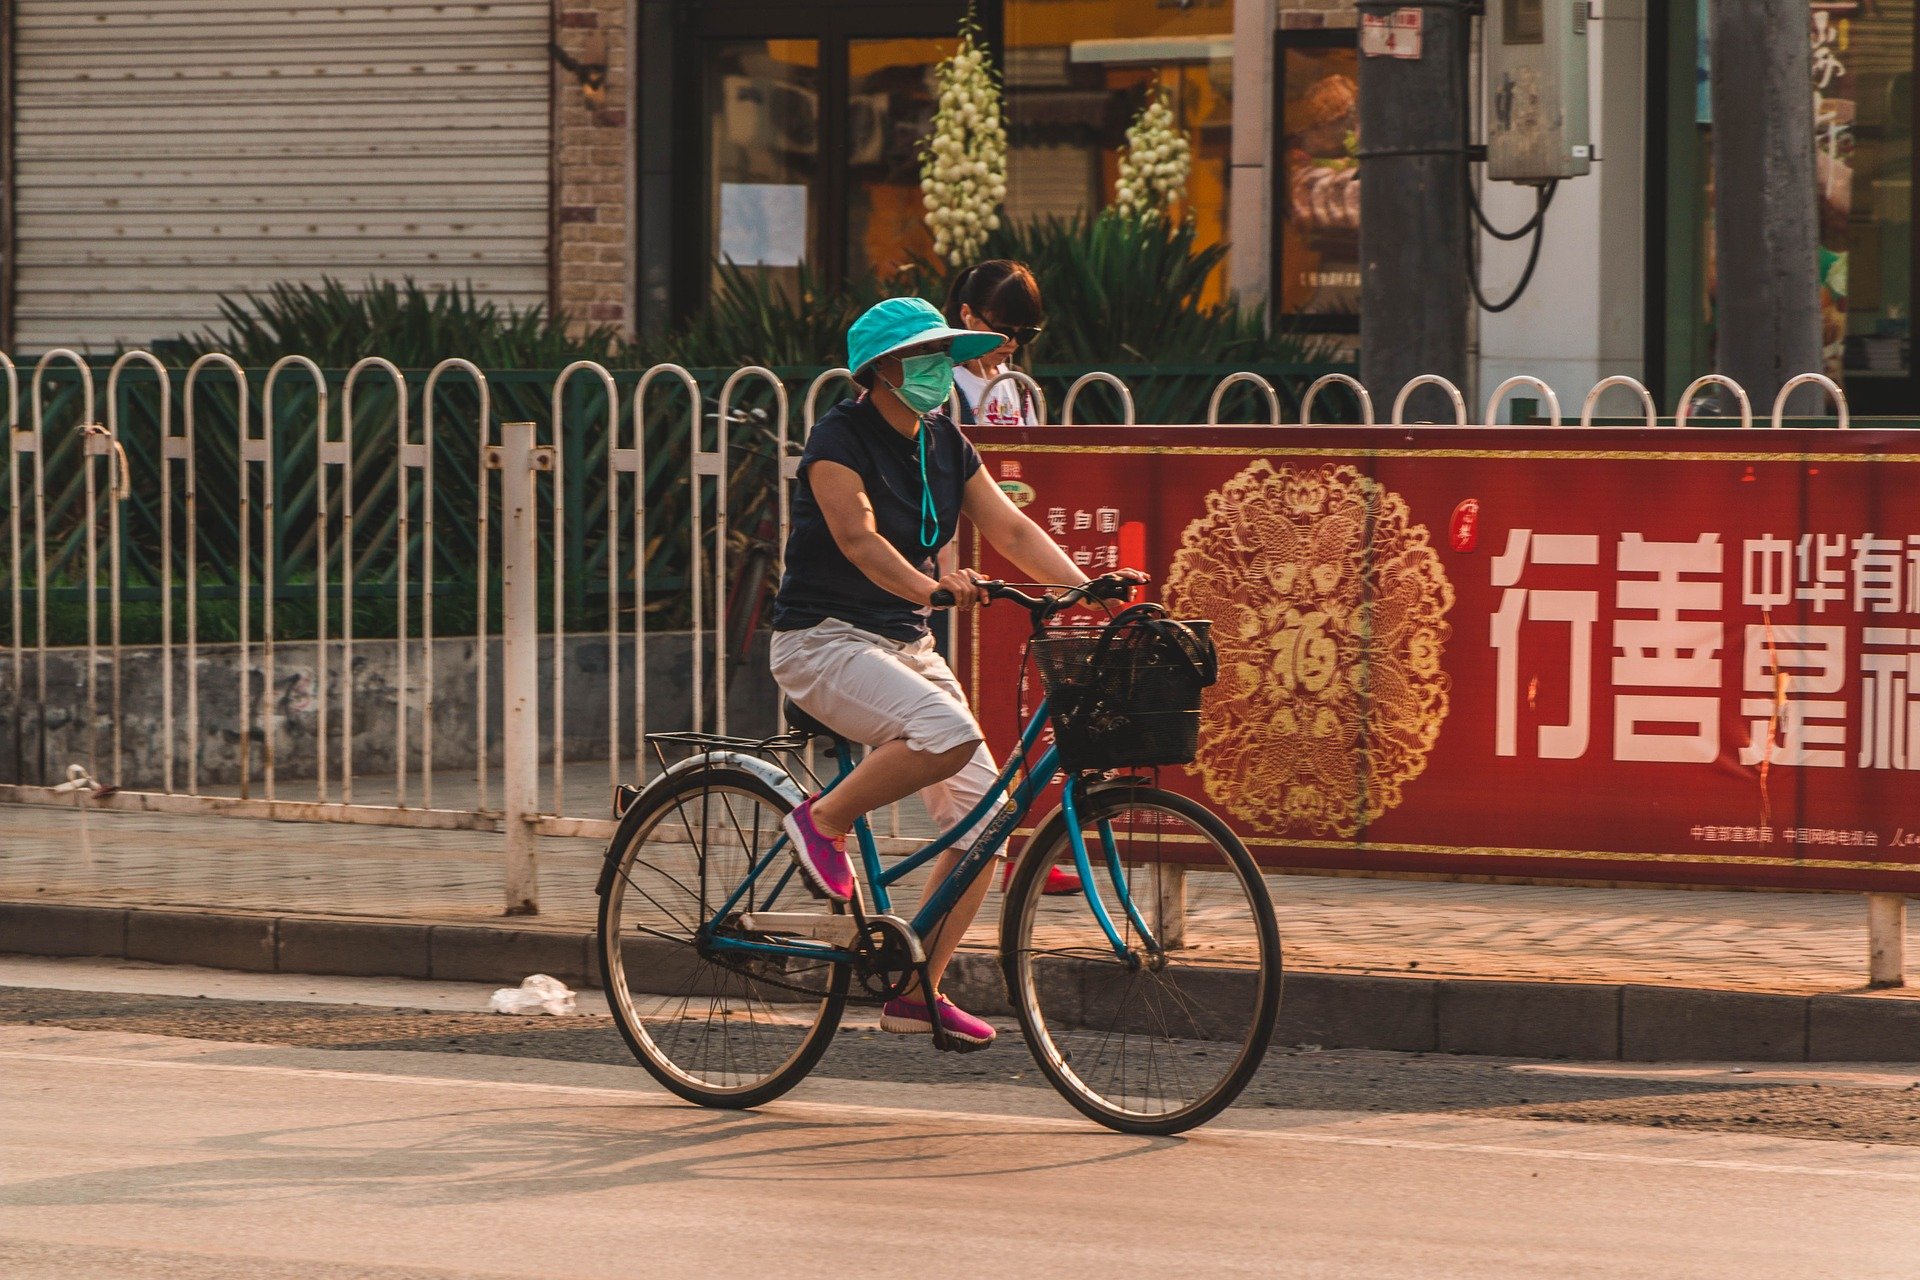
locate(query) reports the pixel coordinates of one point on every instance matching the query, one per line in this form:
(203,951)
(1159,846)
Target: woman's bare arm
(1015,536)
(843,500)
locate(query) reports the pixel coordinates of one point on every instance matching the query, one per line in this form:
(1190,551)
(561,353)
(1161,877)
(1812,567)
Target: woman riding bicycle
(883,482)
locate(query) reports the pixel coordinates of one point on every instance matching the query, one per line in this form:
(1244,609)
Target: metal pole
(1766,222)
(558,583)
(1413,166)
(267,423)
(427,397)
(163,455)
(520,662)
(1886,940)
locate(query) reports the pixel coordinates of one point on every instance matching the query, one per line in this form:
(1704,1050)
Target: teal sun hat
(912,326)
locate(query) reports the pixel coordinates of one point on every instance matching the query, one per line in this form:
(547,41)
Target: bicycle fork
(1116,875)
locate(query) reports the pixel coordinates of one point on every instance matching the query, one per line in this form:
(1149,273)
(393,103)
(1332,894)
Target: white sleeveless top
(1009,406)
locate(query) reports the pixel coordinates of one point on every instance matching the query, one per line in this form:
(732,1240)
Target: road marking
(1837,1075)
(972,1119)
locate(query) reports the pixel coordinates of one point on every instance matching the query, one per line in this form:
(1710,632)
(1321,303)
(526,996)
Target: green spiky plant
(412,325)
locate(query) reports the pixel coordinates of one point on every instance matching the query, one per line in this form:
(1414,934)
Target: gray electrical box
(1536,77)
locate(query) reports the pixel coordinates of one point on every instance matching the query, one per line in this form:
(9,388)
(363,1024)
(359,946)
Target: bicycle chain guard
(890,957)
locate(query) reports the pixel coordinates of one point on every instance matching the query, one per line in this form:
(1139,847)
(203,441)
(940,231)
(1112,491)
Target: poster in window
(1320,209)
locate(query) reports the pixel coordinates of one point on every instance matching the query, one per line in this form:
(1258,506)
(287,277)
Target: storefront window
(763,110)
(890,106)
(1318,204)
(1863,73)
(1862,64)
(1077,71)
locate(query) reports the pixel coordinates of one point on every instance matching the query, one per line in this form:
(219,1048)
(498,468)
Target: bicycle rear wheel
(717,1027)
(1165,1037)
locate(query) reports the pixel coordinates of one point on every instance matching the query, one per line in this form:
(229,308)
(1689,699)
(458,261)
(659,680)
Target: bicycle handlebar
(1107,586)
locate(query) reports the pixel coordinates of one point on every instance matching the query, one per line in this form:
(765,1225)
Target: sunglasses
(1022,334)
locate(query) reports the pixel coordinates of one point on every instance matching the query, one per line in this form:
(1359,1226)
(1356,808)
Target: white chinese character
(1890,699)
(1766,575)
(1819,580)
(1876,574)
(1107,557)
(1082,521)
(1576,608)
(1667,651)
(1107,519)
(1827,66)
(1056,520)
(1913,573)
(1084,558)
(1783,662)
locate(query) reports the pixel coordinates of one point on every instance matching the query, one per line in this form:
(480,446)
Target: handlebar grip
(941,599)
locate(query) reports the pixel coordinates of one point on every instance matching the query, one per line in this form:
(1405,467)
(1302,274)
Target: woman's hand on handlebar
(1115,586)
(957,590)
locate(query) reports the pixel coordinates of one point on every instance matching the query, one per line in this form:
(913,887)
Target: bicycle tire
(702,985)
(1063,1008)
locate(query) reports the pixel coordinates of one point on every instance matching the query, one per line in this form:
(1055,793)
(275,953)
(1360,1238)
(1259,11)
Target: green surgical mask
(925,382)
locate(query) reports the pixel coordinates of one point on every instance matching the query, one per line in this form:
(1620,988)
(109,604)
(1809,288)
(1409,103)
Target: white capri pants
(875,691)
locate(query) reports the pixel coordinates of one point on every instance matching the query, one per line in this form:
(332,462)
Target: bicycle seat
(805,723)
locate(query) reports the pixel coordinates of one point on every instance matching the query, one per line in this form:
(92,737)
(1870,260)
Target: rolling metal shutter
(170,151)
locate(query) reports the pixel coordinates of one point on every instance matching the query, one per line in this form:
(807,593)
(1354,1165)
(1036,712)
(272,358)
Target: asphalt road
(149,1132)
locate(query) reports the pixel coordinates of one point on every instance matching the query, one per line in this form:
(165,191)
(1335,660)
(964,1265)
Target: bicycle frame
(880,878)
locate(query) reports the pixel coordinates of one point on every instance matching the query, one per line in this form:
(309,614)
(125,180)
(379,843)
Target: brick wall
(593,150)
(1309,14)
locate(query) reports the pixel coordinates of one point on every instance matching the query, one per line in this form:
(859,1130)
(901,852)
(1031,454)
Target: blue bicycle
(1147,998)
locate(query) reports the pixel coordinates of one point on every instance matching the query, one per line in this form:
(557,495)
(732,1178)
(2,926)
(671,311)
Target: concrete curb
(1331,1010)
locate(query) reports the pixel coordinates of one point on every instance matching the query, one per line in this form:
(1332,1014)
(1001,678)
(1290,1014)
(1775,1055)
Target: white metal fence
(504,757)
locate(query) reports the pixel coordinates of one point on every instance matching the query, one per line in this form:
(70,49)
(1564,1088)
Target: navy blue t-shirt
(820,582)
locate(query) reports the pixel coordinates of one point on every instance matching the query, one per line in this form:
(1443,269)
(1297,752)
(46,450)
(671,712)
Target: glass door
(890,106)
(764,122)
(1863,61)
(809,122)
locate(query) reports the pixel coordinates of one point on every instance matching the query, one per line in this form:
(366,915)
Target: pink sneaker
(909,1017)
(824,861)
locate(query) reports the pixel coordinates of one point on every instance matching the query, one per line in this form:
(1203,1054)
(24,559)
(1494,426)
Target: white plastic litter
(538,994)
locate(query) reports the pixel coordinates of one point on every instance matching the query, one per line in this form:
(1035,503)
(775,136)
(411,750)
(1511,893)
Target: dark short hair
(998,288)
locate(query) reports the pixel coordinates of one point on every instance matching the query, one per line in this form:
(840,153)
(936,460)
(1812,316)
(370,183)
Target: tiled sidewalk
(1738,941)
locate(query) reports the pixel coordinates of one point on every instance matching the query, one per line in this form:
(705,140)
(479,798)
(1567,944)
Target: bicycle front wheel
(718,1026)
(1162,1034)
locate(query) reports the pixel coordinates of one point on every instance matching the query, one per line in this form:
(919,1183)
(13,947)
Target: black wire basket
(1126,695)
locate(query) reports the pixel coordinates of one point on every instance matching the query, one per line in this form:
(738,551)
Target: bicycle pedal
(954,1044)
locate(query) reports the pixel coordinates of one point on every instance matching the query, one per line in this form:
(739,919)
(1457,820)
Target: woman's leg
(945,937)
(892,771)
(878,692)
(949,800)
(907,702)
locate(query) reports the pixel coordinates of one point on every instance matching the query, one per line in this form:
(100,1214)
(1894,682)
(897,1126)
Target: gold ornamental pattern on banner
(1329,608)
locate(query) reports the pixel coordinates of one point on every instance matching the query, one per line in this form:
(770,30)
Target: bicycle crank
(890,956)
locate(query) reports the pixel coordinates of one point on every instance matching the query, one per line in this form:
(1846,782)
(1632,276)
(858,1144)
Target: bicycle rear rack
(788,751)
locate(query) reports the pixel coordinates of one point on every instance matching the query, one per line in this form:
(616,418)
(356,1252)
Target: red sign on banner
(1592,655)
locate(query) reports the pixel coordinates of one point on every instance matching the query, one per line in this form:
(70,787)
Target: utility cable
(1544,195)
(1535,225)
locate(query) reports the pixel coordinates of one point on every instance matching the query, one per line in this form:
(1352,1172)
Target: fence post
(516,459)
(1886,938)
(1170,904)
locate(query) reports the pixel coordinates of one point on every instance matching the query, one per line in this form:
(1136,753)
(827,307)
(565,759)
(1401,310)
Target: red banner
(1616,655)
